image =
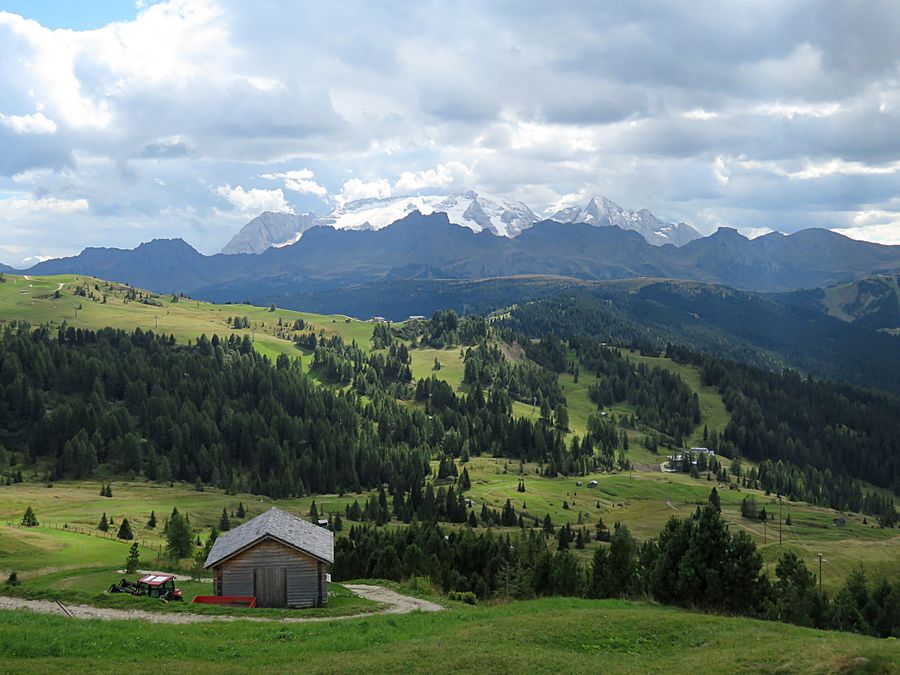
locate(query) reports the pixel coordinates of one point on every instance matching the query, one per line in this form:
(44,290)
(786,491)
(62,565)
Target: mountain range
(429,247)
(478,212)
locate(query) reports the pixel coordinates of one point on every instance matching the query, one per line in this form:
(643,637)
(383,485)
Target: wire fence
(156,547)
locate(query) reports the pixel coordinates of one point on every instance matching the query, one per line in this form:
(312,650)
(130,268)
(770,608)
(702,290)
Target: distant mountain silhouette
(431,247)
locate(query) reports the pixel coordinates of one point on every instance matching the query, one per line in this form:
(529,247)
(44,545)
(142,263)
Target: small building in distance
(281,560)
(377,319)
(702,451)
(416,317)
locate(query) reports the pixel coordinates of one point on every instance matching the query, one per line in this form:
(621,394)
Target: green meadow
(541,636)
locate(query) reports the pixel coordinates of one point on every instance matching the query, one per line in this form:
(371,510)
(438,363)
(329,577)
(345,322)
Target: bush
(467,597)
(422,584)
(13,579)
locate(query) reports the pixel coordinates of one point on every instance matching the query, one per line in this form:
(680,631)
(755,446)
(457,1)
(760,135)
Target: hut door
(270,586)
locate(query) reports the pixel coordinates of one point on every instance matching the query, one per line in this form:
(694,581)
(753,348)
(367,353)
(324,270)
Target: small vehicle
(151,585)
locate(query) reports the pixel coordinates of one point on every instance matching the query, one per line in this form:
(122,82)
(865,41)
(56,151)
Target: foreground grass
(551,635)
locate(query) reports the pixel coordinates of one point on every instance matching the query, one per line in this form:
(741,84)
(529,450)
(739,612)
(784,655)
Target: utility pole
(780,519)
(821,560)
(765,532)
(156,318)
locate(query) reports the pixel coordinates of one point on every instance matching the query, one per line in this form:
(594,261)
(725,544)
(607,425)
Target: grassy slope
(568,636)
(712,410)
(32,300)
(646,500)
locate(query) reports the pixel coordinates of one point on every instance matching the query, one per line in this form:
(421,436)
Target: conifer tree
(29,519)
(125,531)
(714,500)
(224,522)
(151,523)
(133,561)
(103,525)
(179,542)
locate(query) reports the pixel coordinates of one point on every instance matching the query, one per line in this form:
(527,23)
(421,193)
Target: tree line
(695,562)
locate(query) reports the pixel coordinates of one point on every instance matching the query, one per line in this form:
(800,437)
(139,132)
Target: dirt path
(396,604)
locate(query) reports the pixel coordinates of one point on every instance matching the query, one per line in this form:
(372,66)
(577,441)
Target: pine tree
(714,500)
(29,519)
(151,524)
(133,561)
(179,542)
(314,512)
(125,531)
(240,510)
(103,525)
(548,524)
(210,540)
(224,522)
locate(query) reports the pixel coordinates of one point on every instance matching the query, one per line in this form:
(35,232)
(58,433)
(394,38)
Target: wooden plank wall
(305,575)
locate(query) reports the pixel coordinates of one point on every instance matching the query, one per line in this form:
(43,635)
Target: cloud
(36,123)
(14,208)
(442,176)
(881,227)
(254,201)
(298,180)
(355,188)
(166,148)
(783,115)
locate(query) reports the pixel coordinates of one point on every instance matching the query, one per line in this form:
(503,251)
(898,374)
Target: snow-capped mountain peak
(477,211)
(600,211)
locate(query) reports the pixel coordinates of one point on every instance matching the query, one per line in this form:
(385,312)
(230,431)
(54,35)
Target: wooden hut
(278,558)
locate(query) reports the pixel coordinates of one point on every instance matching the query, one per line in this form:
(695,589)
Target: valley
(65,558)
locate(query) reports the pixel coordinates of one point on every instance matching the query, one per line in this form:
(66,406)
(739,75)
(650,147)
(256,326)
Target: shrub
(467,597)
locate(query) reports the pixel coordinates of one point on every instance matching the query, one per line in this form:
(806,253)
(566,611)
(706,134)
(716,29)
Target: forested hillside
(719,321)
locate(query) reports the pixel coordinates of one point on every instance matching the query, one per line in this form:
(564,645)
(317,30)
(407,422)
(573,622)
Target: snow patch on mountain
(500,216)
(600,211)
(479,212)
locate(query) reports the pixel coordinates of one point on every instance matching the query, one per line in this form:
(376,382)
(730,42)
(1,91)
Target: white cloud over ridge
(355,189)
(298,180)
(252,202)
(787,116)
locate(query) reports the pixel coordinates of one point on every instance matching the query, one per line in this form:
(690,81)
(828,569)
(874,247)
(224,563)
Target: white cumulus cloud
(254,201)
(15,208)
(881,227)
(298,180)
(37,123)
(442,176)
(355,188)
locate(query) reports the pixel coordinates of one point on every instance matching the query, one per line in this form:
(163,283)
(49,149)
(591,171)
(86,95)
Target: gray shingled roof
(297,532)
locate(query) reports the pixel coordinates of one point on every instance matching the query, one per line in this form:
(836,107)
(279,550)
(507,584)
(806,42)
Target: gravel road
(395,604)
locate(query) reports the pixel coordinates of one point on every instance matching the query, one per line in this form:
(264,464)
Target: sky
(121,122)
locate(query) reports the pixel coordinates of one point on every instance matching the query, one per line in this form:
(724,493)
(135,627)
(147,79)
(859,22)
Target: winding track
(396,603)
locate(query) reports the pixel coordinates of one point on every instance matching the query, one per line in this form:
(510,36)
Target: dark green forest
(696,562)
